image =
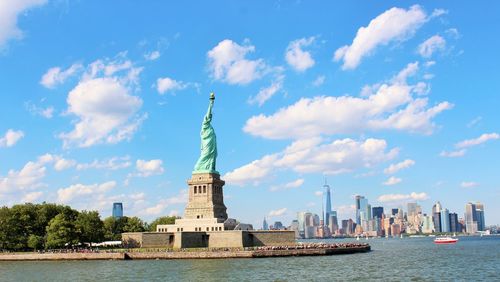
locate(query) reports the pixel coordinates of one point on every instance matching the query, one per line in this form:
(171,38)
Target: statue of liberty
(208,156)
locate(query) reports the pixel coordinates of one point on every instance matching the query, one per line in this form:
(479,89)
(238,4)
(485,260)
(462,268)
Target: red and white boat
(445,240)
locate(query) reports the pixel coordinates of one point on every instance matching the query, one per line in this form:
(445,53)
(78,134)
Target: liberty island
(206,223)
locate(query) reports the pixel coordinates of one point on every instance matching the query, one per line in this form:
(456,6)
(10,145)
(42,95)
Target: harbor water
(394,259)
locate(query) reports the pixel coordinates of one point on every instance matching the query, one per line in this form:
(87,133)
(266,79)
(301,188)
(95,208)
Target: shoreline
(131,255)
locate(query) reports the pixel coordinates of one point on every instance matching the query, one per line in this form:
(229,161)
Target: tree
(113,228)
(7,229)
(89,227)
(35,242)
(161,220)
(134,224)
(61,232)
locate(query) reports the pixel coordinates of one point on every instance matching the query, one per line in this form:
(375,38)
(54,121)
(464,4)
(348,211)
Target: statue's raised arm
(206,162)
(208,116)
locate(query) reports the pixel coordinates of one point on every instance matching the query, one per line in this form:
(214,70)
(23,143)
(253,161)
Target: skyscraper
(117,210)
(358,199)
(471,225)
(436,216)
(328,204)
(445,220)
(394,212)
(377,212)
(454,224)
(265,226)
(480,216)
(427,224)
(412,209)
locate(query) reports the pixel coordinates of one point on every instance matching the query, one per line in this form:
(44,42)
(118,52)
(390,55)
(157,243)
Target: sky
(102,102)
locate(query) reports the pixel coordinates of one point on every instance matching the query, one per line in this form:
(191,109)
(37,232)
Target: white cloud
(346,211)
(227,62)
(31,197)
(438,12)
(453,32)
(395,24)
(469,184)
(67,194)
(167,84)
(453,154)
(296,57)
(290,185)
(278,212)
(477,141)
(63,164)
(35,110)
(163,204)
(9,12)
(253,172)
(154,55)
(55,76)
(393,168)
(314,156)
(318,193)
(149,168)
(11,137)
(461,147)
(403,197)
(319,81)
(106,113)
(430,63)
(431,45)
(474,122)
(113,163)
(29,177)
(391,106)
(392,181)
(267,92)
(155,210)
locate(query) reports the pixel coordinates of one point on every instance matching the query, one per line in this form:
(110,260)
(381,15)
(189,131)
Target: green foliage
(114,227)
(134,224)
(35,242)
(89,227)
(36,226)
(61,232)
(161,220)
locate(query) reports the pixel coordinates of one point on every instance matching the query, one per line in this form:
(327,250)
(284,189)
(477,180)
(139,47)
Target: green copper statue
(208,156)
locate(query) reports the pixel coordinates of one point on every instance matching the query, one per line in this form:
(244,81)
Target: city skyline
(396,102)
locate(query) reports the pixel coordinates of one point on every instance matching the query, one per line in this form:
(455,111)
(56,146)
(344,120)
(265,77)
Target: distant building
(394,212)
(480,217)
(265,226)
(445,220)
(454,224)
(427,224)
(334,225)
(295,227)
(117,210)
(377,212)
(471,225)
(361,203)
(278,225)
(395,229)
(328,205)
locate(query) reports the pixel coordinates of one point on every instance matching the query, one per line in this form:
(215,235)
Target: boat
(445,240)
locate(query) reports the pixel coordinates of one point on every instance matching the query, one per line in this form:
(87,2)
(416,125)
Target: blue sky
(397,101)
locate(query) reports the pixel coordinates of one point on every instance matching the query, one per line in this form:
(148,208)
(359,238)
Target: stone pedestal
(206,197)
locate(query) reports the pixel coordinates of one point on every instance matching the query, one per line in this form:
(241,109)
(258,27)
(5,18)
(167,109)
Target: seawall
(184,254)
(61,256)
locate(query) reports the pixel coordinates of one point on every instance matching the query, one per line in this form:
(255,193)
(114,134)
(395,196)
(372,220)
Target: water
(408,259)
